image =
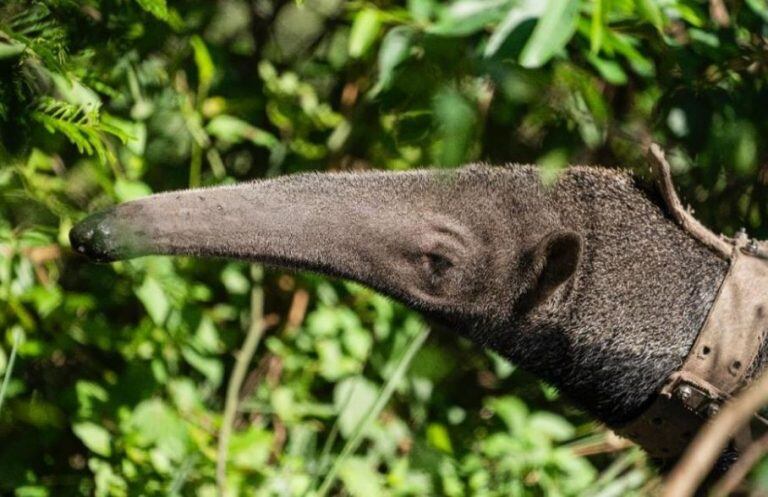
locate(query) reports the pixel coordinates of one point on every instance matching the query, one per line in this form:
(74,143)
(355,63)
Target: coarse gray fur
(586,282)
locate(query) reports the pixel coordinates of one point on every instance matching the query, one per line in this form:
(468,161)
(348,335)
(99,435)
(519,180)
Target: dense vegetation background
(115,377)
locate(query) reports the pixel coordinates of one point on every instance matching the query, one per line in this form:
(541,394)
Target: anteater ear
(555,259)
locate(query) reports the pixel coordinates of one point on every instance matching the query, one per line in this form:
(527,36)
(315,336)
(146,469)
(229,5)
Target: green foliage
(120,370)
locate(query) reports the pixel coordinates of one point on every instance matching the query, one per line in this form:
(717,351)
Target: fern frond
(82,125)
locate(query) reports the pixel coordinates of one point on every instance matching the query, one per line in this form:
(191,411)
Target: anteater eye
(435,264)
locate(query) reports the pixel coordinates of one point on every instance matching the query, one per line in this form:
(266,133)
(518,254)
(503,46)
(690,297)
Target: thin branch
(255,331)
(663,174)
(740,468)
(702,453)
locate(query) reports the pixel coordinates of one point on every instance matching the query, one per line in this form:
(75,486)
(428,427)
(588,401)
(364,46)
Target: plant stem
(255,331)
(9,369)
(381,401)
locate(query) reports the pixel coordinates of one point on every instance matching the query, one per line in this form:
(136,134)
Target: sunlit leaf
(518,13)
(95,437)
(365,30)
(552,33)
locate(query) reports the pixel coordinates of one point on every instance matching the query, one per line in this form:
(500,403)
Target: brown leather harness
(718,364)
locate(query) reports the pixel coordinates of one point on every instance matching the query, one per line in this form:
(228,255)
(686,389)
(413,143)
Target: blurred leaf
(205,67)
(395,48)
(359,479)
(365,30)
(650,11)
(95,437)
(353,398)
(759,7)
(456,119)
(126,190)
(464,17)
(154,299)
(519,12)
(234,130)
(11,50)
(438,437)
(550,425)
(553,31)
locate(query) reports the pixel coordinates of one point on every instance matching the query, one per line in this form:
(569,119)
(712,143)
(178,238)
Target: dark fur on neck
(634,308)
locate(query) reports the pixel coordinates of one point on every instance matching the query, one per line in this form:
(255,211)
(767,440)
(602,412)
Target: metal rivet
(684,393)
(751,247)
(712,409)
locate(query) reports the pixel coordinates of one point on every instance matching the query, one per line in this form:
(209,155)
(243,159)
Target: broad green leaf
(518,13)
(95,437)
(360,479)
(210,367)
(154,299)
(353,398)
(438,437)
(154,424)
(455,118)
(250,450)
(126,190)
(552,426)
(651,12)
(552,33)
(365,30)
(464,17)
(394,49)
(512,411)
(759,7)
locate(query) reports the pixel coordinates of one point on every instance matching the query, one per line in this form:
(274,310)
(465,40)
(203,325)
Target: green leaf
(157,8)
(233,130)
(464,17)
(209,366)
(353,398)
(597,28)
(126,190)
(552,33)
(455,118)
(519,13)
(438,437)
(759,7)
(206,70)
(365,30)
(154,299)
(360,479)
(552,426)
(651,12)
(610,70)
(9,50)
(394,49)
(95,437)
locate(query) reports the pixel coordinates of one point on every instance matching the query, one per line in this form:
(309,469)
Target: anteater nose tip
(91,237)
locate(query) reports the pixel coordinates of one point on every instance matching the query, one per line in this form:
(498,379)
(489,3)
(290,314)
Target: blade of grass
(627,460)
(9,369)
(381,401)
(325,455)
(252,339)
